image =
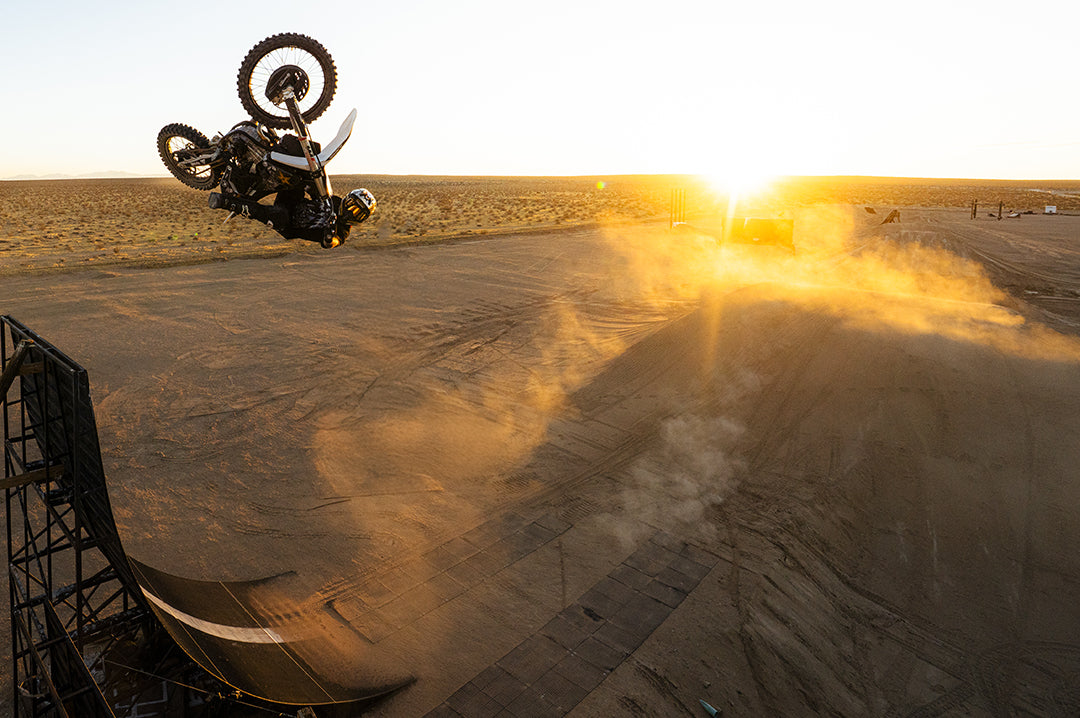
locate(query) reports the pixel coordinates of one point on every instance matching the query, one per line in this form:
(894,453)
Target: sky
(487,87)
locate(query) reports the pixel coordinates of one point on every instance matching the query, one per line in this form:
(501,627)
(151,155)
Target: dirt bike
(284,82)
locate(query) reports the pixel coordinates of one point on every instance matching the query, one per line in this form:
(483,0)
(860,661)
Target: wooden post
(45,472)
(678,208)
(1000,205)
(7,377)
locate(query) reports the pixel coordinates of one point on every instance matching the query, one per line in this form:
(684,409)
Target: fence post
(678,208)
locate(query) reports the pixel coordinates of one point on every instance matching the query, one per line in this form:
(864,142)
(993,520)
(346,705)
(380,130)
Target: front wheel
(185,151)
(280,62)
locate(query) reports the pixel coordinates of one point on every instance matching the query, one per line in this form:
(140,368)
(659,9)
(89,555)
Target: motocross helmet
(358,205)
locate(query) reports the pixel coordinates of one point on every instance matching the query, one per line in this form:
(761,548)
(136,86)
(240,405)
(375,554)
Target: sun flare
(741,183)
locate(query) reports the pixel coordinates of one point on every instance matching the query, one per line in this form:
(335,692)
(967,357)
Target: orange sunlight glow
(743,162)
(741,175)
(742,182)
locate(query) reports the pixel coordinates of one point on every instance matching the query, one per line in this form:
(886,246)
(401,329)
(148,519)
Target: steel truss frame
(73,597)
(84,641)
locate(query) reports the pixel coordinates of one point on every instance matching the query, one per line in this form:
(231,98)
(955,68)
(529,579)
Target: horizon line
(122,175)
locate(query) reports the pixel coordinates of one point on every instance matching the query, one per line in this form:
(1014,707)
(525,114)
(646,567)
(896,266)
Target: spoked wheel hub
(282,79)
(280,62)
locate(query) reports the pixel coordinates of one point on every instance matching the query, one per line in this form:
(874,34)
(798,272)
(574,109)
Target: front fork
(322,180)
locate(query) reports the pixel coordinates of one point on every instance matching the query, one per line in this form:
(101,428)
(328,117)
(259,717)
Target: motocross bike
(284,82)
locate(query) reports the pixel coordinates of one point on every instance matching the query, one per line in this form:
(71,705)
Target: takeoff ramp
(248,635)
(77,598)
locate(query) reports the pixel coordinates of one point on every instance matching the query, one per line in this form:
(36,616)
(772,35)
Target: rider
(356,207)
(295,217)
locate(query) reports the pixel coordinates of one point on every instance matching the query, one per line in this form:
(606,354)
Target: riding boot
(276,216)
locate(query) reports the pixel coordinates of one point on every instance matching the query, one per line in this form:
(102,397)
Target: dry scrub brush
(70,223)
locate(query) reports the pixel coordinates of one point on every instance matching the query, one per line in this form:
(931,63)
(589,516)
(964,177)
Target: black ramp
(255,637)
(64,383)
(267,638)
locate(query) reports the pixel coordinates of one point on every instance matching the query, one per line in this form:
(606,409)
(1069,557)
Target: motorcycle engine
(247,149)
(250,145)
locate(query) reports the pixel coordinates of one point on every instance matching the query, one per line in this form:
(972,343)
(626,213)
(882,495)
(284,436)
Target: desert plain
(549,456)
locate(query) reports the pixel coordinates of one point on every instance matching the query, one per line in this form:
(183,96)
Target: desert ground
(59,225)
(550,457)
(63,224)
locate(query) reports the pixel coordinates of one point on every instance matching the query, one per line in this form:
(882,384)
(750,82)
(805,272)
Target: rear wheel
(286,60)
(184,151)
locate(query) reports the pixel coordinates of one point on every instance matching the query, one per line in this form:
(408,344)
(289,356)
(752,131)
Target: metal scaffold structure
(72,593)
(85,641)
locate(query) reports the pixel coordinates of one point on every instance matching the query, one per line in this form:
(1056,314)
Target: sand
(60,225)
(869,445)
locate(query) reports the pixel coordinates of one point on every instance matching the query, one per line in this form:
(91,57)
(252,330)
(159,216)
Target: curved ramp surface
(256,638)
(254,635)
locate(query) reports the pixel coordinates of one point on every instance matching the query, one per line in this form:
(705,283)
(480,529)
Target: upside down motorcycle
(284,82)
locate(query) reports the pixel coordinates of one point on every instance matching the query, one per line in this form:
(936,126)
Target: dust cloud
(696,467)
(441,435)
(886,278)
(892,280)
(435,445)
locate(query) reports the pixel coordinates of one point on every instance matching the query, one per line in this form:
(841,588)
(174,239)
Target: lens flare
(740,183)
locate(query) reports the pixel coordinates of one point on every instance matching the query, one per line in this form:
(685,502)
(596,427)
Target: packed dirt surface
(837,482)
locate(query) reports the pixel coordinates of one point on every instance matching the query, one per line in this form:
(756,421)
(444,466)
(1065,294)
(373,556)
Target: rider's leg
(291,217)
(275,216)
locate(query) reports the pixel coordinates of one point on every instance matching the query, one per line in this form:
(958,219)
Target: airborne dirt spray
(695,467)
(893,279)
(449,428)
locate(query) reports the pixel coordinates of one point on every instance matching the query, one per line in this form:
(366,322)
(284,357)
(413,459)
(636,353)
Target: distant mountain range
(112,174)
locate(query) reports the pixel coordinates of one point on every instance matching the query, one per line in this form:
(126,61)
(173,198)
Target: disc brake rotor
(283,78)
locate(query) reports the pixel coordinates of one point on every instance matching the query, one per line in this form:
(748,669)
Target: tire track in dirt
(1056,296)
(780,623)
(491,333)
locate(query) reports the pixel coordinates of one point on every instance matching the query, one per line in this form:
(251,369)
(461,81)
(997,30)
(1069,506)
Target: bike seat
(328,152)
(289,145)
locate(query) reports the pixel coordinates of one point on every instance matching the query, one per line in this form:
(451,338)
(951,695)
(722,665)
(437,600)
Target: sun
(738,187)
(741,170)
(741,183)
